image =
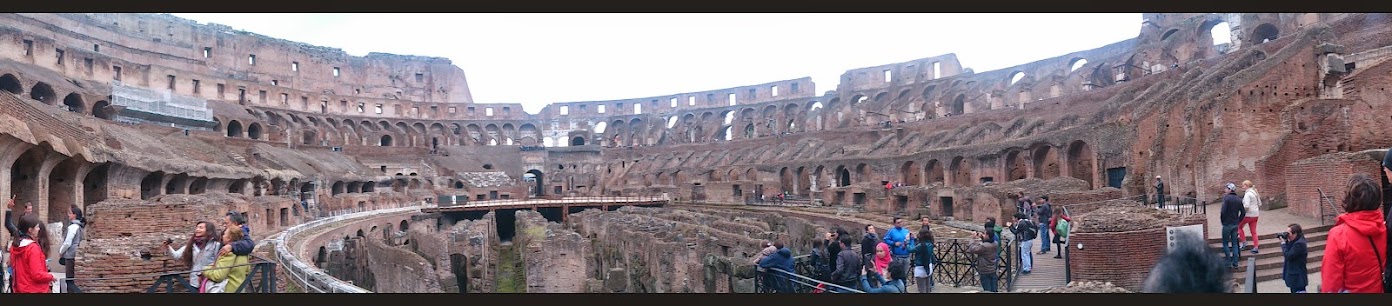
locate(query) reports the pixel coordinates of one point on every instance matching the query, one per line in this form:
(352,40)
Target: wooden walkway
(1047,272)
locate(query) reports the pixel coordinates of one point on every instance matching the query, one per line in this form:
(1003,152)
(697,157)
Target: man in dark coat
(1231,214)
(848,265)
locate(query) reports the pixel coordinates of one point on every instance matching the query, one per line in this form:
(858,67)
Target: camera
(168,241)
(1283,236)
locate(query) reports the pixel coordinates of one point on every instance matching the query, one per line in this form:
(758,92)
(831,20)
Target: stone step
(1310,233)
(1274,274)
(1276,262)
(1272,247)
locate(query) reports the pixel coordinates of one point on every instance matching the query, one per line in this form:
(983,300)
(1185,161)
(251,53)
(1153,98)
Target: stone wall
(554,256)
(1123,258)
(1330,173)
(468,247)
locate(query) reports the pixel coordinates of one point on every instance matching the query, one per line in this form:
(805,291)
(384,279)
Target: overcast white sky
(535,59)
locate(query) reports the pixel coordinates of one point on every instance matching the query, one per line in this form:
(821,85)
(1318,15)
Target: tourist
(900,242)
(924,258)
(1025,232)
(923,222)
(243,246)
(882,258)
(1024,204)
(1159,192)
(1386,205)
(895,283)
(229,271)
(68,251)
(199,251)
(848,265)
(1352,253)
(1044,211)
(29,259)
(1061,225)
(818,260)
(768,249)
(1252,202)
(1231,215)
(986,260)
(1188,268)
(1293,249)
(868,242)
(783,260)
(834,246)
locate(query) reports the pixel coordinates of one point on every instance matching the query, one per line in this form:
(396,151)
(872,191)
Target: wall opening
(43,93)
(150,185)
(254,131)
(73,103)
(10,83)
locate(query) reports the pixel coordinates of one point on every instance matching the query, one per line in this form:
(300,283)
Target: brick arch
(935,172)
(12,84)
(1045,161)
(1082,162)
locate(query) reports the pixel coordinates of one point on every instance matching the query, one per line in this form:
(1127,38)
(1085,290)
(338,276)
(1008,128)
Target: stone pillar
(1331,70)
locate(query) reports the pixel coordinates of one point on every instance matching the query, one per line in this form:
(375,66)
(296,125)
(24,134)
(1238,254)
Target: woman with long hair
(200,250)
(1355,246)
(70,243)
(924,258)
(30,259)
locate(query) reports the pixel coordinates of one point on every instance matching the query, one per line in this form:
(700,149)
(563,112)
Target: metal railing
(1251,283)
(1327,214)
(260,279)
(1177,204)
(775,280)
(566,200)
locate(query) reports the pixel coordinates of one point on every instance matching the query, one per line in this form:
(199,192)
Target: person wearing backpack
(69,249)
(1025,231)
(1061,226)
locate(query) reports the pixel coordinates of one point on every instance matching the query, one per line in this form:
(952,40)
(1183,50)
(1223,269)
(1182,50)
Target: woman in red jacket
(1353,252)
(29,259)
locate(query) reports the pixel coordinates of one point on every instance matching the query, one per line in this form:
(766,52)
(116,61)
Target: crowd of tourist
(218,260)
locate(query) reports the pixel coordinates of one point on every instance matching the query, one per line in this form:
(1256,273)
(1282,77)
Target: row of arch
(313,130)
(45,93)
(1044,161)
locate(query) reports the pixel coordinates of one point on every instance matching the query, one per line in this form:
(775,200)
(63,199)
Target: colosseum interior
(381,174)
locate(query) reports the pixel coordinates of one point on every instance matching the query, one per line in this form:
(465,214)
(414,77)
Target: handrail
(808,283)
(1326,199)
(1251,282)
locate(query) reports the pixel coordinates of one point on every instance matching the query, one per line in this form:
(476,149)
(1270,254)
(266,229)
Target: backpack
(1028,231)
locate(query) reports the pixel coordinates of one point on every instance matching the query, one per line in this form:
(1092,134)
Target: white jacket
(1252,201)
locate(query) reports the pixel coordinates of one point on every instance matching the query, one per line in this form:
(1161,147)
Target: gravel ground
(1124,216)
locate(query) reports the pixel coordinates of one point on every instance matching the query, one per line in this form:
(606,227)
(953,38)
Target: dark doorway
(902,205)
(946,206)
(493,195)
(859,198)
(458,265)
(840,198)
(507,224)
(1115,175)
(557,190)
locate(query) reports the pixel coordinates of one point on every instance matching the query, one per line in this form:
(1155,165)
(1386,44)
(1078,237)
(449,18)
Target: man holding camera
(1293,248)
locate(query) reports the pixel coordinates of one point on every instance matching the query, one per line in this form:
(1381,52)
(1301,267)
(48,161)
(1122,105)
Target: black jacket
(1294,272)
(10,223)
(867,243)
(1232,212)
(1044,211)
(847,267)
(833,253)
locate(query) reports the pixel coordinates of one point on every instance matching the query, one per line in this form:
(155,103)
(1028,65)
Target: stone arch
(198,186)
(254,131)
(94,185)
(961,171)
(934,170)
(958,105)
(150,185)
(10,83)
(1046,165)
(910,174)
(234,128)
(73,102)
(63,188)
(237,186)
(843,176)
(102,109)
(1264,33)
(338,188)
(177,184)
(1080,159)
(1016,166)
(577,141)
(385,141)
(43,93)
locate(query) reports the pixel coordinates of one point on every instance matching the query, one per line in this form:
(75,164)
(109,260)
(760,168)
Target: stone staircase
(1270,260)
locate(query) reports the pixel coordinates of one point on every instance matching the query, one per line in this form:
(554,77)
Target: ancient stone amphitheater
(381,174)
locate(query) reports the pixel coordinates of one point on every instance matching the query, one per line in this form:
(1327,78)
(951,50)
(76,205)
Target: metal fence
(954,266)
(260,279)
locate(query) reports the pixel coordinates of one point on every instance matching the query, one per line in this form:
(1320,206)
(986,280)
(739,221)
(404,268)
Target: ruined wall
(1121,243)
(395,269)
(459,249)
(1330,173)
(554,256)
(124,236)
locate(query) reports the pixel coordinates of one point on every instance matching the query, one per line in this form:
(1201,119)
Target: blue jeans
(1044,237)
(1230,244)
(988,282)
(1026,258)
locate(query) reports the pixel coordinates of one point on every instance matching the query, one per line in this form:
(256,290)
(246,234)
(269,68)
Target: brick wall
(1328,172)
(1122,258)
